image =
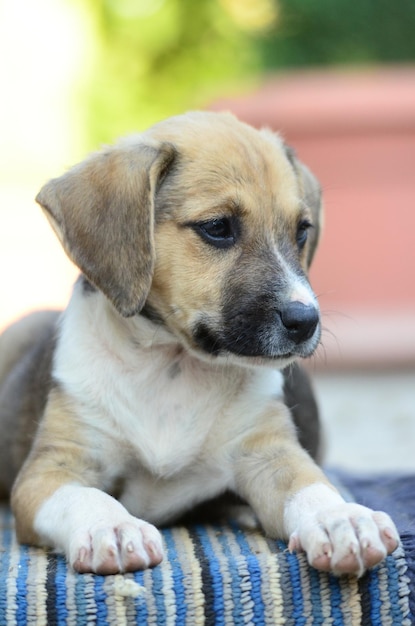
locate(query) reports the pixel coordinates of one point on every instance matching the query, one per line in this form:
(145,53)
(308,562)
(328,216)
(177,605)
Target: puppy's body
(154,409)
(165,387)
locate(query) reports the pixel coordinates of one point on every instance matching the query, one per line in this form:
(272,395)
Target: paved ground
(369,419)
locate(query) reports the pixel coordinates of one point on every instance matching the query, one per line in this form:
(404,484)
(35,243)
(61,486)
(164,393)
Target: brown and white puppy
(160,386)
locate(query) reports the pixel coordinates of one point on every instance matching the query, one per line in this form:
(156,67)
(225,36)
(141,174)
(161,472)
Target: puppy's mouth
(289,334)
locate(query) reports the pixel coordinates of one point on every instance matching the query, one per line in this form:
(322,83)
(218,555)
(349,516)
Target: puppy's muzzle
(263,328)
(299,320)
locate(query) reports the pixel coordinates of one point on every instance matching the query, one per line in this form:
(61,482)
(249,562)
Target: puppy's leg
(96,532)
(294,500)
(57,502)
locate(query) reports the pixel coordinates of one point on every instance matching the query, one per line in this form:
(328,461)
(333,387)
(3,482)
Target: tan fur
(163,388)
(270,453)
(57,457)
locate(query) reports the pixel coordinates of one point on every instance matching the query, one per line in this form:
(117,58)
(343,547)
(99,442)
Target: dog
(161,386)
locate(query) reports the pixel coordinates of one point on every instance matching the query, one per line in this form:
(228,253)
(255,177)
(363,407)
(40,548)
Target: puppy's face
(236,220)
(232,245)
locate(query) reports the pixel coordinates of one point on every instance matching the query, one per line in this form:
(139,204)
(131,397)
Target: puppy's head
(204,224)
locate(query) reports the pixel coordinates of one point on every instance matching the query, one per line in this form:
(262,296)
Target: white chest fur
(144,390)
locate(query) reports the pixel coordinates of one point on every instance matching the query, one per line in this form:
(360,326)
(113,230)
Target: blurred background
(336,78)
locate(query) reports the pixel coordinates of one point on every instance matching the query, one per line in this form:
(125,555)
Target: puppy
(160,386)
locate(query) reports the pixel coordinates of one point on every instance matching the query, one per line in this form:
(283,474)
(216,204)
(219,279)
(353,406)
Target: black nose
(300,320)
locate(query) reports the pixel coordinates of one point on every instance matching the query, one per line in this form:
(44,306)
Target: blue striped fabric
(212,575)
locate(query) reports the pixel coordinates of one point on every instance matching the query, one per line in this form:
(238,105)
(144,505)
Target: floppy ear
(102,210)
(311,194)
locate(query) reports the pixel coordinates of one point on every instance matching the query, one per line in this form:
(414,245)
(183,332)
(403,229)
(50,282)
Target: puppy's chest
(163,410)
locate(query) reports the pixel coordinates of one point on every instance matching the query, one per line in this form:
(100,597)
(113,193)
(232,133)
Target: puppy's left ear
(102,210)
(310,191)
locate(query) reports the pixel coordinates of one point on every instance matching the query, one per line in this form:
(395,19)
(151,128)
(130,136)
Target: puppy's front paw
(346,538)
(110,549)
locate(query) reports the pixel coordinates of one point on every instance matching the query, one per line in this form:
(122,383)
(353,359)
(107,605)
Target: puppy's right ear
(102,210)
(312,197)
(311,194)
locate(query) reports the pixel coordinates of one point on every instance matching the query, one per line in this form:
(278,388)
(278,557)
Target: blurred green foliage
(327,32)
(159,57)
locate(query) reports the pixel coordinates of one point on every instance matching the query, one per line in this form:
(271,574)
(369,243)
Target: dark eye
(220,233)
(302,233)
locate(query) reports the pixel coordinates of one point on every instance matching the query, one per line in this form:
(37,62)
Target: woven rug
(214,575)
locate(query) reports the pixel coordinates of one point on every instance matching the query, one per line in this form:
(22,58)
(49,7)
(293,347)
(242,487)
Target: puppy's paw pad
(322,562)
(140,547)
(349,563)
(125,547)
(155,552)
(347,539)
(372,556)
(387,530)
(82,562)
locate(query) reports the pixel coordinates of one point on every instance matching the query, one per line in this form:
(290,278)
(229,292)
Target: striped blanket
(215,575)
